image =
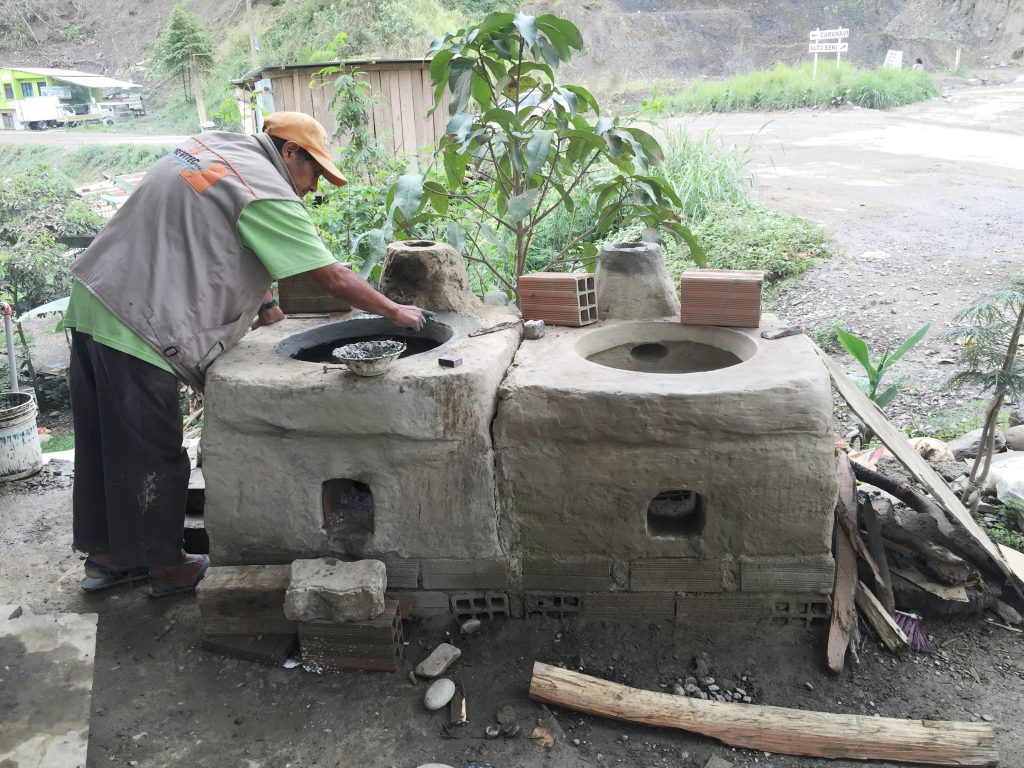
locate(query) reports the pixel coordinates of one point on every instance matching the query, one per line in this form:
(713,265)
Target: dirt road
(939,188)
(925,200)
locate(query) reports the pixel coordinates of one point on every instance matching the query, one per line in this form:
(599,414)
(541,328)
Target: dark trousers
(131,472)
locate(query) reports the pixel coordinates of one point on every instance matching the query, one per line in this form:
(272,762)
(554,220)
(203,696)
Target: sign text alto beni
(828,41)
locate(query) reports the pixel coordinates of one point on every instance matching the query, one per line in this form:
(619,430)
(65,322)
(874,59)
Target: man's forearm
(346,285)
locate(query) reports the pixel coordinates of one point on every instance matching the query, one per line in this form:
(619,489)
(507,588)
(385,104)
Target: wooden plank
(896,442)
(322,91)
(282,91)
(377,112)
(389,80)
(422,124)
(772,729)
(1014,559)
(892,637)
(46,691)
(956,593)
(843,627)
(883,578)
(408,114)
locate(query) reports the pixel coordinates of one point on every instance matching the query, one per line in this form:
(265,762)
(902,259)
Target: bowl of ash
(369,358)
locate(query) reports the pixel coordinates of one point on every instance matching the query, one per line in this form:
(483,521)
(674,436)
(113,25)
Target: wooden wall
(399,122)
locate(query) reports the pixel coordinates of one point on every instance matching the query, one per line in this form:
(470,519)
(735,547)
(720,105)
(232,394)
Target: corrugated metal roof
(256,74)
(85,79)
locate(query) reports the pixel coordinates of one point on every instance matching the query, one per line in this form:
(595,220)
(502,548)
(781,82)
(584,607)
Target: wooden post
(956,64)
(197,90)
(814,71)
(253,58)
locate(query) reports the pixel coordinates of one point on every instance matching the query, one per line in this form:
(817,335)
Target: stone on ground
(329,589)
(717,762)
(968,446)
(438,661)
(439,694)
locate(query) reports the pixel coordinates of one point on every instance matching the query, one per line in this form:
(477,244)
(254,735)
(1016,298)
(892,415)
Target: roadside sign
(828,47)
(834,45)
(829,34)
(893,60)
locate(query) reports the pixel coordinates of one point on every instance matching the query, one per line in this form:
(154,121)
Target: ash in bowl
(369,350)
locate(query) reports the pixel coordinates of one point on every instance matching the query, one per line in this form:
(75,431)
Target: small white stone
(438,661)
(470,626)
(439,694)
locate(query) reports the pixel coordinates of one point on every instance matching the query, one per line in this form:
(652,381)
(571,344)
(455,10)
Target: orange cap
(308,134)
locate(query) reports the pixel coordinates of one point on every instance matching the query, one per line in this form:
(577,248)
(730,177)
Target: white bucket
(20,452)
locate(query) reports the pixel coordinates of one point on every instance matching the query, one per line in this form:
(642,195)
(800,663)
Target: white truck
(39,112)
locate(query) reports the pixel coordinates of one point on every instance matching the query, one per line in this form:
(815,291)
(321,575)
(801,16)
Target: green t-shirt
(279,232)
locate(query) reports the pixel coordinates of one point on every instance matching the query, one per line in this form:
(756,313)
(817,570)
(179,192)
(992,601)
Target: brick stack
(558,298)
(721,297)
(242,610)
(375,644)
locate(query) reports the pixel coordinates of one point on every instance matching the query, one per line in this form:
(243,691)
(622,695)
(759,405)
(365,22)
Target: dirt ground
(939,188)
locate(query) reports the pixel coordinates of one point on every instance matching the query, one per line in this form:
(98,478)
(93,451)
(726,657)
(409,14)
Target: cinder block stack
(721,297)
(242,610)
(559,298)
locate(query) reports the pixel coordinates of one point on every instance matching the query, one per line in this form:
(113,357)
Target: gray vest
(170,263)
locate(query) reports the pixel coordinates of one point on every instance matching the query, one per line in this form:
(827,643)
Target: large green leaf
(519,207)
(460,80)
(696,252)
(439,67)
(408,193)
(459,126)
(907,345)
(495,21)
(456,236)
(565,28)
(652,149)
(856,347)
(886,397)
(527,26)
(537,149)
(377,246)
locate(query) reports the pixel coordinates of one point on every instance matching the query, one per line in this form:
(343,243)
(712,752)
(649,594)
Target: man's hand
(408,316)
(268,317)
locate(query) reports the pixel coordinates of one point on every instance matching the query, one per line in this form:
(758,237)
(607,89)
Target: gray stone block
(788,575)
(733,607)
(675,574)
(622,606)
(332,590)
(548,574)
(464,574)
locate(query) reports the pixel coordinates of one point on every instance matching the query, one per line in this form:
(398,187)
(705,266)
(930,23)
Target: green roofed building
(46,98)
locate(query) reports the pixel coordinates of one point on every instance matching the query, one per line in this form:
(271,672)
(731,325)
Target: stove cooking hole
(676,513)
(649,353)
(347,506)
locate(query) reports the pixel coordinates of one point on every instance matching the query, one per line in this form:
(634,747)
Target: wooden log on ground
(772,729)
(892,637)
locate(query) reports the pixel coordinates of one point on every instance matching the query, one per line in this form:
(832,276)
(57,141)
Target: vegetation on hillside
(784,87)
(80,165)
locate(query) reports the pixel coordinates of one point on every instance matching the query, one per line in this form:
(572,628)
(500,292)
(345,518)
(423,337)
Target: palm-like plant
(989,331)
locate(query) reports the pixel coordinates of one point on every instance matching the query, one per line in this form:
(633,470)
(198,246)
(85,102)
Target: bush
(704,175)
(784,87)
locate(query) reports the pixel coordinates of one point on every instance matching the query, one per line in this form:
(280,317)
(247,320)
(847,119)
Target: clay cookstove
(634,469)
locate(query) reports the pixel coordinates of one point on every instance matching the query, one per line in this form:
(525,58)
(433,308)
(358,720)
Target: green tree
(520,147)
(35,209)
(186,41)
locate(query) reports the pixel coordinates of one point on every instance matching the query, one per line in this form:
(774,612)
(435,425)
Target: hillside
(631,43)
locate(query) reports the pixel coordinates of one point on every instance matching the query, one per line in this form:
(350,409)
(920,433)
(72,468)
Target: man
(174,279)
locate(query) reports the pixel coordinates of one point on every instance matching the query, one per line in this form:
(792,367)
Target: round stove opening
(665,357)
(649,353)
(318,344)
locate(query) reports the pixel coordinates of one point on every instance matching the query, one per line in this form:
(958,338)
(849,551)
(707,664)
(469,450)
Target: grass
(59,443)
(82,165)
(1006,529)
(785,87)
(951,424)
(735,232)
